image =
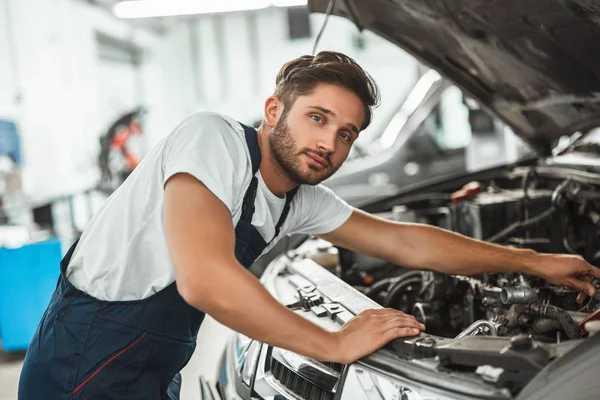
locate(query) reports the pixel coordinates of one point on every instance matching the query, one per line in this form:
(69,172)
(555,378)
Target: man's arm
(427,247)
(201,241)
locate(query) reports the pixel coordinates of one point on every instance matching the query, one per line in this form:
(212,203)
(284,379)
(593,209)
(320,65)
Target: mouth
(317,160)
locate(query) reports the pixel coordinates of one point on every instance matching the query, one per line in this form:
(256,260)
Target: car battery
(488,213)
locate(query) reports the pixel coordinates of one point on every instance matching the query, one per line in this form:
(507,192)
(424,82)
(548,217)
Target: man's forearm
(431,248)
(245,306)
(426,247)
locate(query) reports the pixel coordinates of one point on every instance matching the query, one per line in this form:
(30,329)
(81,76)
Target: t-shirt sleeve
(207,147)
(320,211)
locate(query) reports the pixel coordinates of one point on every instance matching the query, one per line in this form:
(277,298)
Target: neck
(272,174)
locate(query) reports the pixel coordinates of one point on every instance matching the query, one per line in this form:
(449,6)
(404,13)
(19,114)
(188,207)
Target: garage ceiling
(159,25)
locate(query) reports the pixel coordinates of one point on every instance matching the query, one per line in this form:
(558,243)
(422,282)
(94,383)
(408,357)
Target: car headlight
(247,351)
(241,344)
(250,363)
(370,384)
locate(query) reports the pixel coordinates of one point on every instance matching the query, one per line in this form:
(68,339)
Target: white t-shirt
(123,255)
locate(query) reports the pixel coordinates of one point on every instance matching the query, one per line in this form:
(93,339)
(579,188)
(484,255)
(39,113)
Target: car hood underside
(535,64)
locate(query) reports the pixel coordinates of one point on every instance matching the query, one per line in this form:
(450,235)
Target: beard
(287,156)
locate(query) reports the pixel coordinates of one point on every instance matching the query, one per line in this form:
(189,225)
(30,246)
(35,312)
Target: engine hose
(545,325)
(566,321)
(568,325)
(520,225)
(407,278)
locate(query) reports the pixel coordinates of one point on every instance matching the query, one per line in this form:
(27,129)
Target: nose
(327,141)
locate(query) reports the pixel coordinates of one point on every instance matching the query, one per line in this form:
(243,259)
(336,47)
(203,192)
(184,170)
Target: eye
(316,118)
(346,137)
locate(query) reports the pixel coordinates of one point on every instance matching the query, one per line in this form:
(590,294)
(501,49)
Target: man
(173,242)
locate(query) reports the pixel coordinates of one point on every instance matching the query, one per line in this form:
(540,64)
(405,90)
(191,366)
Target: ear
(273,109)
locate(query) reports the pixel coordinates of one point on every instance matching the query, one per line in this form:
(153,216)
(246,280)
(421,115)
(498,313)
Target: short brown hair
(300,76)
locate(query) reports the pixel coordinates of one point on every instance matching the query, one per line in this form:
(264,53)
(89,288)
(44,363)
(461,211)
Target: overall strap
(252,142)
(289,196)
(64,263)
(250,196)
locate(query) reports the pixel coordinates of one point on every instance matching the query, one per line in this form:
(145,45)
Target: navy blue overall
(86,348)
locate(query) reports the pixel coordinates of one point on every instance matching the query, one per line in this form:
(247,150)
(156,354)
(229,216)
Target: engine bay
(527,208)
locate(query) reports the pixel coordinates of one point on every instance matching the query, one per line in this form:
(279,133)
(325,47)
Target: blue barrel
(28,278)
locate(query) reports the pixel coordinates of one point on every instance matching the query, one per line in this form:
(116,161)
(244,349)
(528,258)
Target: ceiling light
(289,3)
(169,8)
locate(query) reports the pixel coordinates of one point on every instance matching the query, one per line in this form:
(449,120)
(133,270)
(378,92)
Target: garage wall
(238,68)
(53,95)
(49,77)
(7,70)
(169,94)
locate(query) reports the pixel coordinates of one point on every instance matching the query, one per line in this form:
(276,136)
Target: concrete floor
(211,342)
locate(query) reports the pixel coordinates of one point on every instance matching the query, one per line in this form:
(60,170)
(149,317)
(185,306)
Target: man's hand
(566,270)
(372,329)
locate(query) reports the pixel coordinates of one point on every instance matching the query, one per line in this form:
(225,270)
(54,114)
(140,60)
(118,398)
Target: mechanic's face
(312,138)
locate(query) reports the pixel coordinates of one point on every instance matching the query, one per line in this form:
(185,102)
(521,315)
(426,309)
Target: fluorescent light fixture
(170,8)
(289,3)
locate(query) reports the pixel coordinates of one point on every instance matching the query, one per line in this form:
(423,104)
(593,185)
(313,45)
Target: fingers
(402,322)
(593,271)
(391,323)
(399,332)
(397,327)
(583,286)
(582,296)
(384,313)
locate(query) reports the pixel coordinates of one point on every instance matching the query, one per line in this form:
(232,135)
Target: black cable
(521,224)
(327,14)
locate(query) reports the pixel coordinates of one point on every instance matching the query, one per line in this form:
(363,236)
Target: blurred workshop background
(88,87)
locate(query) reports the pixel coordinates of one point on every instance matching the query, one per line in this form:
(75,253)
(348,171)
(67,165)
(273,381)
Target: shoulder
(213,119)
(209,133)
(210,123)
(212,148)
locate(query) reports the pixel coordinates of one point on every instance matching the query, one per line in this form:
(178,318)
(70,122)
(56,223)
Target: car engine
(523,210)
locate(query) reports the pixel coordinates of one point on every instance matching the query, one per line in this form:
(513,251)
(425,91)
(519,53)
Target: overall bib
(85,348)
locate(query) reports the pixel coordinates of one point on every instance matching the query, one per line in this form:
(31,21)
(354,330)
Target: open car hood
(535,64)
